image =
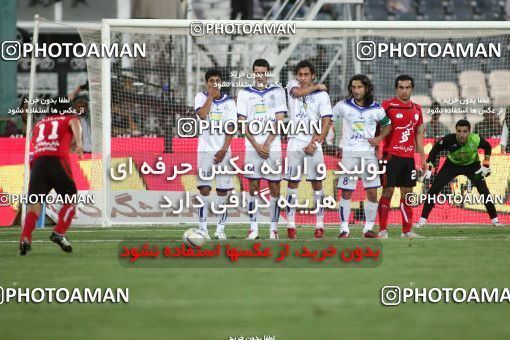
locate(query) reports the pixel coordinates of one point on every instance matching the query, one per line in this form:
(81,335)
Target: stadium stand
(444,90)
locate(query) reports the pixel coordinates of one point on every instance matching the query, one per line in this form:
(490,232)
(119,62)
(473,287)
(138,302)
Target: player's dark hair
(303,64)
(369,89)
(404,77)
(463,122)
(435,105)
(261,63)
(22,101)
(212,72)
(81,97)
(58,108)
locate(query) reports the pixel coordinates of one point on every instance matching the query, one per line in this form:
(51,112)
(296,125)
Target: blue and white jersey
(222,110)
(310,108)
(358,124)
(262,106)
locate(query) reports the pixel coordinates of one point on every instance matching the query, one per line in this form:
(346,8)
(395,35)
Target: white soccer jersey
(222,110)
(310,108)
(358,125)
(262,105)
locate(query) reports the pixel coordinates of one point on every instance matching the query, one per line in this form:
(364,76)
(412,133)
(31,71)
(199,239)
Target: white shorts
(205,162)
(255,163)
(298,161)
(354,162)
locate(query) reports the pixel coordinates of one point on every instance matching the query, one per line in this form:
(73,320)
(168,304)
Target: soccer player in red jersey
(52,139)
(405,137)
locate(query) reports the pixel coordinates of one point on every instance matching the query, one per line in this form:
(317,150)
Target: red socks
(65,217)
(383,211)
(407,216)
(28,228)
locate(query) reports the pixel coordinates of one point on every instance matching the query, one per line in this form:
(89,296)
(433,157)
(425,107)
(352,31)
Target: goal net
(139,148)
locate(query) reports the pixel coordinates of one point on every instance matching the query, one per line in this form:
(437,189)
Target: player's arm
(204,109)
(325,124)
(487,148)
(280,111)
(77,90)
(385,123)
(439,146)
(431,160)
(297,91)
(77,136)
(326,113)
(262,152)
(418,139)
(271,137)
(220,155)
(485,170)
(318,138)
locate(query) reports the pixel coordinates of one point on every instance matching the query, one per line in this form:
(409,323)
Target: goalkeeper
(462,159)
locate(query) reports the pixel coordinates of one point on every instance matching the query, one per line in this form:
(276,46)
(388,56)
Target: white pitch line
(134,230)
(124,230)
(432,238)
(74,241)
(99,231)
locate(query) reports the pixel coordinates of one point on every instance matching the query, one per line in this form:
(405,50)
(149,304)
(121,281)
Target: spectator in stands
(434,128)
(243,7)
(122,121)
(11,128)
(158,9)
(505,133)
(288,8)
(77,2)
(329,12)
(81,105)
(399,6)
(490,126)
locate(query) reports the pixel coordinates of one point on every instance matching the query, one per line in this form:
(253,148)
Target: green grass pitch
(286,303)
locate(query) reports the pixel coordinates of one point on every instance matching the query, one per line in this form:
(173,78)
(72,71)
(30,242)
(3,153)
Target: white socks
(318,197)
(344,210)
(370,214)
(291,212)
(203,212)
(253,214)
(220,227)
(274,213)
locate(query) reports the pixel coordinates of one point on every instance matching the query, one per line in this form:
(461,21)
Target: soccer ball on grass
(194,237)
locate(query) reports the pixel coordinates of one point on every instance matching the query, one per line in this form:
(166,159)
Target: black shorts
(400,172)
(48,173)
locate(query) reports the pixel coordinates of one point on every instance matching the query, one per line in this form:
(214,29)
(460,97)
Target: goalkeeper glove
(428,173)
(484,171)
